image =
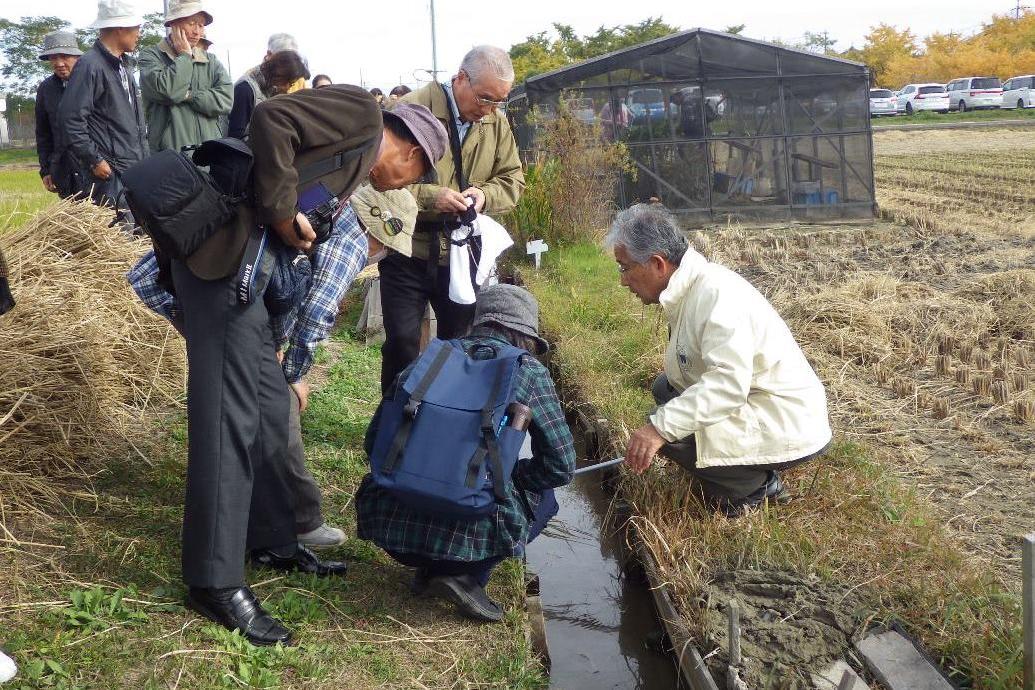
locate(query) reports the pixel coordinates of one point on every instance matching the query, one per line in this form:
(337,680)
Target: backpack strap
(492,445)
(412,407)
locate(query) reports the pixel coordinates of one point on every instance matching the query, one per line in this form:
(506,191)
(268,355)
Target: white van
(972,93)
(1019,92)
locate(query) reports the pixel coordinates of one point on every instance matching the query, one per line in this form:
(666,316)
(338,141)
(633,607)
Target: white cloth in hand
(495,241)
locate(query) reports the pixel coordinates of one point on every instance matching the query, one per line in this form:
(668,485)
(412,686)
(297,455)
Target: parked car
(882,102)
(918,97)
(1019,92)
(973,93)
(647,104)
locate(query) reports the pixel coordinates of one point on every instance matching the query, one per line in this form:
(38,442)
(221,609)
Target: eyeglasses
(482,101)
(393,225)
(501,105)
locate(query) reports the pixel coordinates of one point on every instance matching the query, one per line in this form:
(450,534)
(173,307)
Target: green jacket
(490,158)
(184,96)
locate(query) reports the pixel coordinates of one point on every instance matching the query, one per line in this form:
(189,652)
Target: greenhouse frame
(719,126)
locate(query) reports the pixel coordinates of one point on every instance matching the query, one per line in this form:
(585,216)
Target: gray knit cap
(512,307)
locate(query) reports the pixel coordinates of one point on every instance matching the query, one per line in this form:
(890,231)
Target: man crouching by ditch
(737,401)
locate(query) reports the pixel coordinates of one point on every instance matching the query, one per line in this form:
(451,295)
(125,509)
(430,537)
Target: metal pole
(165,8)
(434,46)
(1029,611)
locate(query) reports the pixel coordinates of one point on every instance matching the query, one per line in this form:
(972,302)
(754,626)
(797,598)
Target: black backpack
(178,204)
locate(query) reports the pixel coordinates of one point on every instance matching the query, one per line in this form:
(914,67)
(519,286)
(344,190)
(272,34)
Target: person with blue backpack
(447,492)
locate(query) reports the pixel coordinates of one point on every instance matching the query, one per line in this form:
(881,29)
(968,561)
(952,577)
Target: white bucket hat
(179,9)
(113,14)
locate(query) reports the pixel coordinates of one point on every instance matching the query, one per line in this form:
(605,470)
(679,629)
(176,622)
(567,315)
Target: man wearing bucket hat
(455,558)
(375,222)
(58,168)
(185,89)
(100,114)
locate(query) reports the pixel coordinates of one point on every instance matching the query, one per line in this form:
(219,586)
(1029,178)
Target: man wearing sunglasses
(490,178)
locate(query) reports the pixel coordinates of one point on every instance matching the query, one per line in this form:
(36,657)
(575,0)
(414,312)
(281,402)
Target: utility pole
(435,55)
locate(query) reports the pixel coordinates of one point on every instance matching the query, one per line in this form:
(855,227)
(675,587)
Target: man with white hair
(253,88)
(488,176)
(737,401)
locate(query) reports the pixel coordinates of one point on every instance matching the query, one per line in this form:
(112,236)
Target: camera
(319,206)
(469,215)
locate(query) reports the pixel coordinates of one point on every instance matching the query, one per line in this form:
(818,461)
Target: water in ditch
(599,623)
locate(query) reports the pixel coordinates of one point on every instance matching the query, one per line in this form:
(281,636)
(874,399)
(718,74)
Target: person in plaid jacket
(454,558)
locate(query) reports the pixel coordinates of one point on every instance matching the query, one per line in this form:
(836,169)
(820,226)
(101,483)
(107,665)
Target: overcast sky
(384,42)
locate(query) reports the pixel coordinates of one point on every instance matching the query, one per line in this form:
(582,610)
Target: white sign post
(536,248)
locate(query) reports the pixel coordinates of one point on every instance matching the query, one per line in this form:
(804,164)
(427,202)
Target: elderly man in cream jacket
(738,401)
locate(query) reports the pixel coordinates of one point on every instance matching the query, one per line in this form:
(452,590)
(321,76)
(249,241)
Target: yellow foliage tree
(1005,47)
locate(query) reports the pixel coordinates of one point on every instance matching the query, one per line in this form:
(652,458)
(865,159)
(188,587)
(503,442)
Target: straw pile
(81,360)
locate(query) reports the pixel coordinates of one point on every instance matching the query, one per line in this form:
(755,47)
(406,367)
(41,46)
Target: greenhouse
(721,126)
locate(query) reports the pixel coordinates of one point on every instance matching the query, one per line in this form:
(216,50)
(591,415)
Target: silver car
(882,102)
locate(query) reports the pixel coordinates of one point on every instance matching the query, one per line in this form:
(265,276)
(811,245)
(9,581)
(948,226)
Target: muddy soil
(790,625)
(977,464)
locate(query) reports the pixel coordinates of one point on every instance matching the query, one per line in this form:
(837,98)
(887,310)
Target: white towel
(495,241)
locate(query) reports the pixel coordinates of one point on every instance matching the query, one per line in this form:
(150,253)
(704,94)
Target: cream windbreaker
(746,389)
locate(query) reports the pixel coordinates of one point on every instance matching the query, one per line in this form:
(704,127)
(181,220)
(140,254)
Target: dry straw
(81,360)
(1000,392)
(1024,411)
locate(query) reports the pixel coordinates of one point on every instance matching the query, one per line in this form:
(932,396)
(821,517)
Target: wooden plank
(898,664)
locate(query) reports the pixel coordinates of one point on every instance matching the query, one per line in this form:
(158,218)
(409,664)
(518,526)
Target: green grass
(928,117)
(21,195)
(19,157)
(103,609)
(859,525)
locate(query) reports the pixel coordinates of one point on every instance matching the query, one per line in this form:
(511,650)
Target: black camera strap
(463,183)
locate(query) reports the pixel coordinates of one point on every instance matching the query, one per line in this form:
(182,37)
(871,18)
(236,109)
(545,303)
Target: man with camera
(239,503)
(484,171)
(185,89)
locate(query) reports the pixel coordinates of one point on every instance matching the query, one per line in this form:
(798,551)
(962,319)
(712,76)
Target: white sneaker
(324,535)
(8,669)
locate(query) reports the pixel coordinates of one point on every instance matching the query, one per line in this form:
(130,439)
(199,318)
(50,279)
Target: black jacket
(55,159)
(99,119)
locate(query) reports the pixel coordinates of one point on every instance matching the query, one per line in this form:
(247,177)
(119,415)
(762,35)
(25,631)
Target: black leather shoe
(419,584)
(238,609)
(773,491)
(469,596)
(303,561)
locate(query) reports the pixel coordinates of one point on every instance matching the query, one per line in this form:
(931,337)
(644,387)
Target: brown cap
(426,129)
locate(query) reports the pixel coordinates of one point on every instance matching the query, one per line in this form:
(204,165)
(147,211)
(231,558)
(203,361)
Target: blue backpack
(442,445)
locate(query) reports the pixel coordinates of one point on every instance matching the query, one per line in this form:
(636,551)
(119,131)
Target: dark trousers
(481,570)
(406,289)
(305,492)
(237,417)
(729,482)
